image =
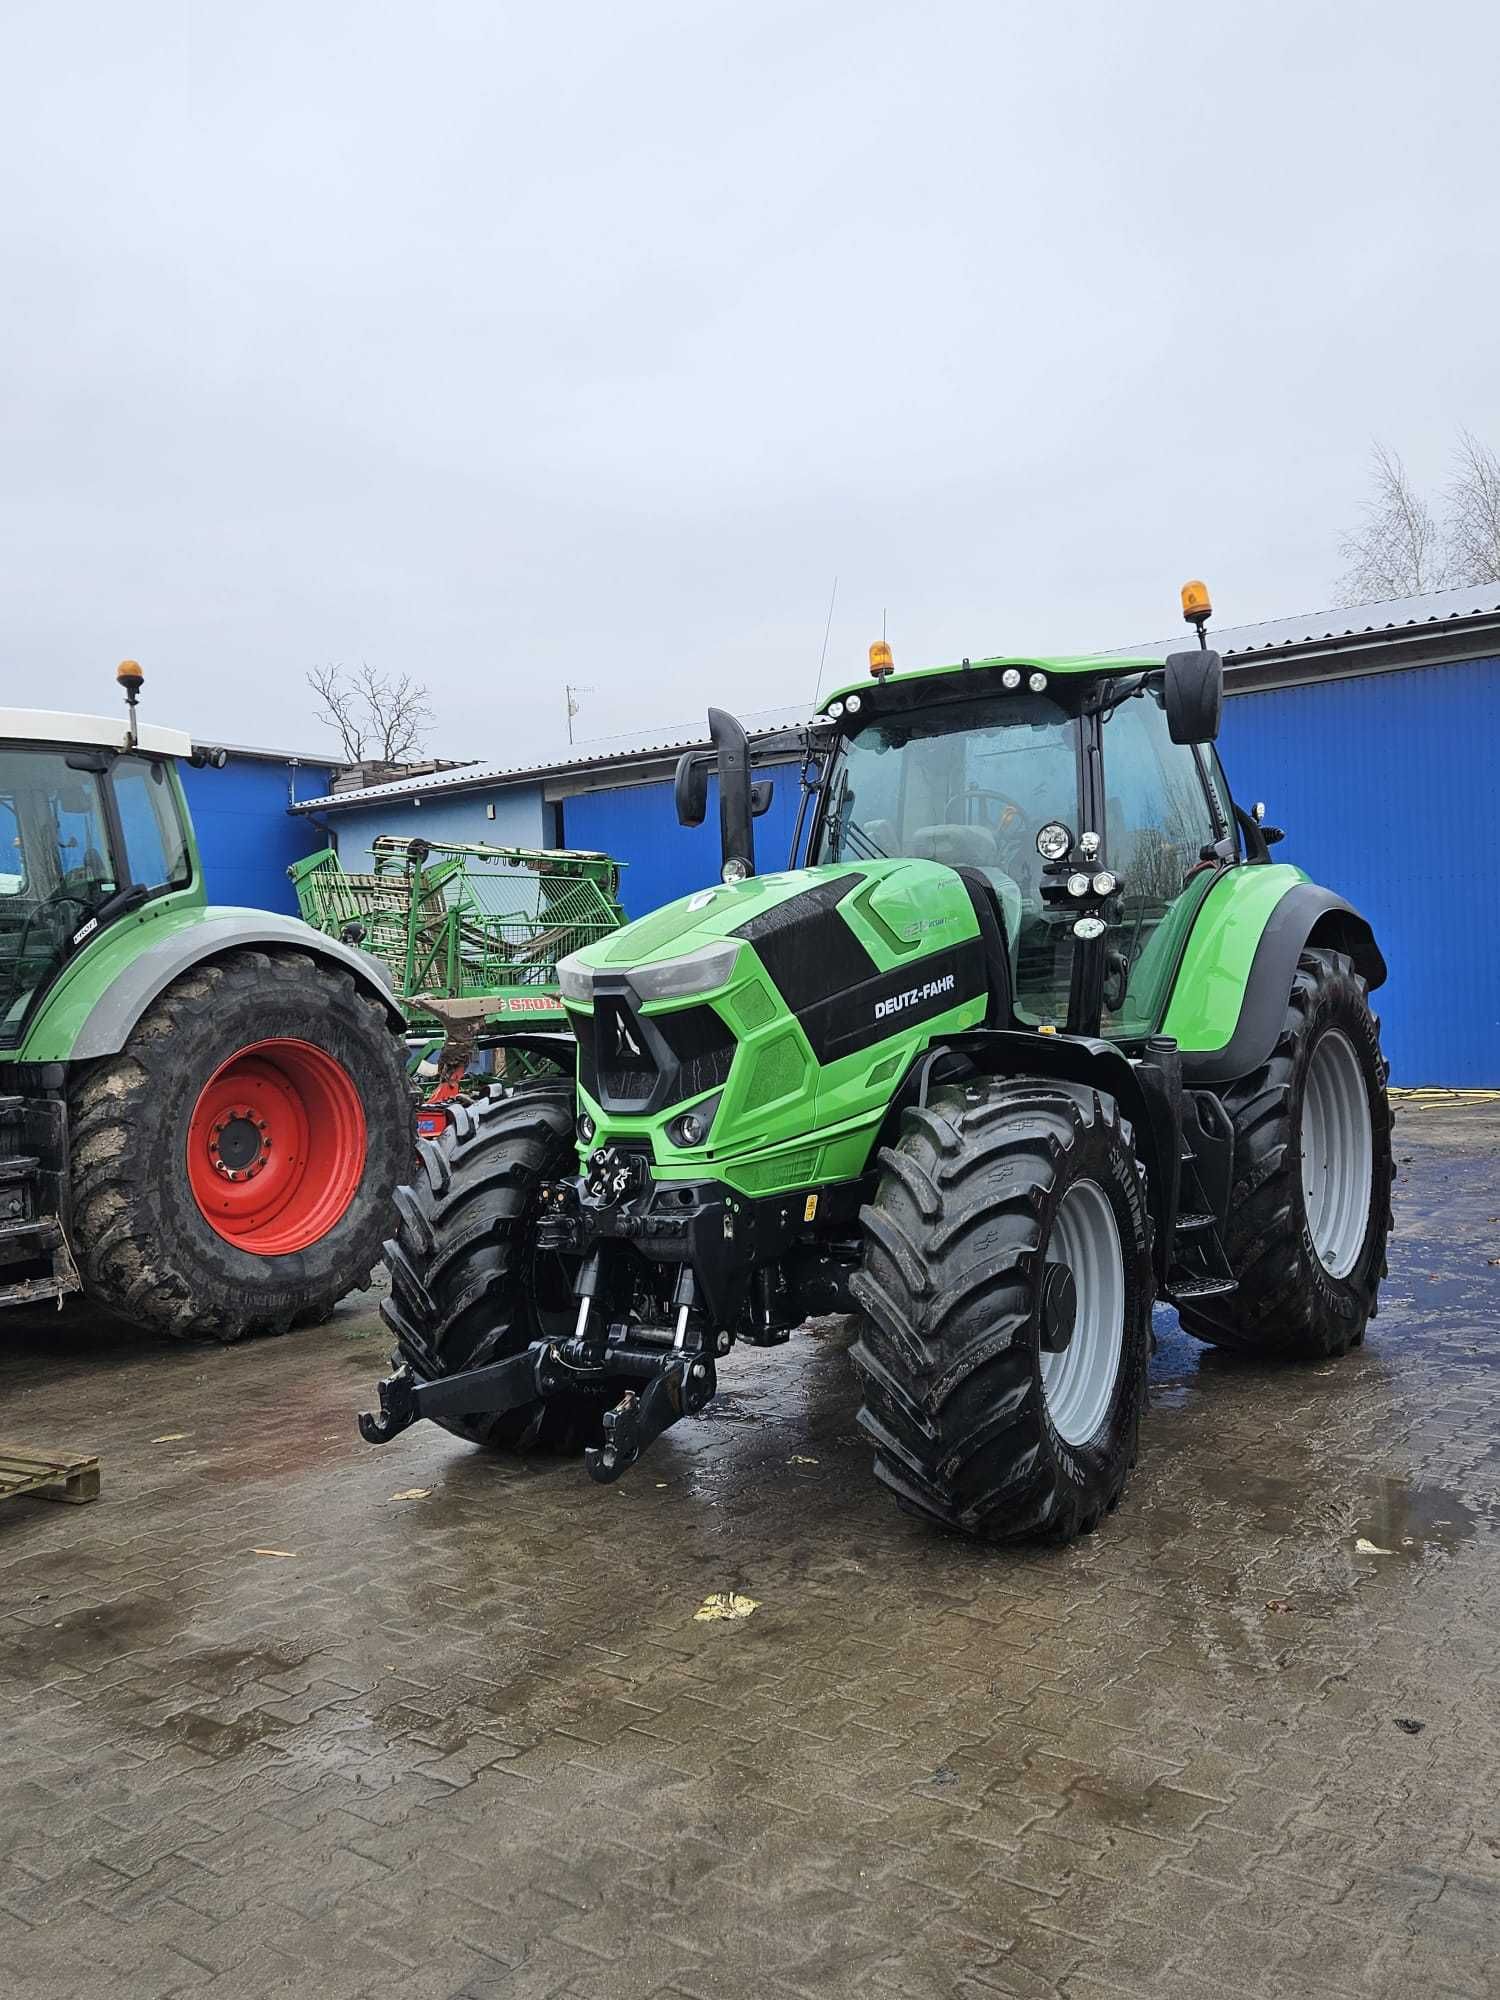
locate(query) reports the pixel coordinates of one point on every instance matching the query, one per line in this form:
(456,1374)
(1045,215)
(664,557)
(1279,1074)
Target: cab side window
(155,844)
(12,860)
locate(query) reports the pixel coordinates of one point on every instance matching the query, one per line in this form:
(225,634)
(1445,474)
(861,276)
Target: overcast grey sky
(509,345)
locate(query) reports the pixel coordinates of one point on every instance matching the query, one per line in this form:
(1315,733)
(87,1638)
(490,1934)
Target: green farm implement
(1032,1032)
(203,1111)
(471,936)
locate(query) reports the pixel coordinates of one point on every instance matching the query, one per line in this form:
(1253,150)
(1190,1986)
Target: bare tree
(378,718)
(1398,552)
(1473,527)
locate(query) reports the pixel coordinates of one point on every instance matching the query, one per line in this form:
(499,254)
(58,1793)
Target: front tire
(1311,1208)
(467,1284)
(984,1414)
(232,1167)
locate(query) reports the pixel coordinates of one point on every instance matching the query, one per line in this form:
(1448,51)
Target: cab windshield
(70,840)
(972,783)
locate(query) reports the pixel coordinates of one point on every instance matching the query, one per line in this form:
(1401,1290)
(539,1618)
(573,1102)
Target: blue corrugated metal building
(247,834)
(1370,735)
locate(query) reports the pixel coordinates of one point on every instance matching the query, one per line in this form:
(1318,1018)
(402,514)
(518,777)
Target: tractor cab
(90,829)
(1062,790)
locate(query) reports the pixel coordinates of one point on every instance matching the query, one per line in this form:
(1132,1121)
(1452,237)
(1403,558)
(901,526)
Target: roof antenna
(827,628)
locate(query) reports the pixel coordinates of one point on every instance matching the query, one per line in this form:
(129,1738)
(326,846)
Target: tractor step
(37,1291)
(20,1168)
(1185,1287)
(41,1232)
(1195,1225)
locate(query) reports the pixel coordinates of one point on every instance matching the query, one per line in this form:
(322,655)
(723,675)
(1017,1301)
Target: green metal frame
(466,921)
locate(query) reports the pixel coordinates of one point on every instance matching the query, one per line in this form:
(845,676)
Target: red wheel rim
(276,1147)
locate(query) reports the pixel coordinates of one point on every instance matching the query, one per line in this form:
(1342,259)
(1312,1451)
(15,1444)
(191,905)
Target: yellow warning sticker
(809,1208)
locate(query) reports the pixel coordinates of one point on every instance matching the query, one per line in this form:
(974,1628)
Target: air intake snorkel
(740,801)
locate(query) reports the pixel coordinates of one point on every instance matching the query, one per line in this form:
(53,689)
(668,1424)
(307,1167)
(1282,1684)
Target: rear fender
(113,1012)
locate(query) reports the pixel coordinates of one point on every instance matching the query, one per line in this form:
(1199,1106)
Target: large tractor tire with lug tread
(1006,1298)
(468,1285)
(232,1167)
(1311,1207)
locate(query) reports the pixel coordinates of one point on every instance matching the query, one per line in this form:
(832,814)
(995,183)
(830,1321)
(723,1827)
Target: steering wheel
(1009,828)
(42,915)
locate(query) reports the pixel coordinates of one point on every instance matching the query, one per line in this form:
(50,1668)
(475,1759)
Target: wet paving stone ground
(284,1714)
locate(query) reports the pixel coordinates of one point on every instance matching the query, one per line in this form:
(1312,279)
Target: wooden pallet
(71,1479)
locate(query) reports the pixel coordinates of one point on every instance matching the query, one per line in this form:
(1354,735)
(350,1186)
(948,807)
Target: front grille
(702,1046)
(639,1063)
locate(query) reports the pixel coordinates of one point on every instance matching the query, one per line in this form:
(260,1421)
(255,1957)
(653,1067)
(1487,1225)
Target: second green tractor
(1032,1033)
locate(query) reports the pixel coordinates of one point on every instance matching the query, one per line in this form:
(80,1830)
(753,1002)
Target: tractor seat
(956,846)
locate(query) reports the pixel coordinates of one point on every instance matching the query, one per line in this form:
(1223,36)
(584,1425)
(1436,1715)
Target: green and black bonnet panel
(781,1008)
(834,984)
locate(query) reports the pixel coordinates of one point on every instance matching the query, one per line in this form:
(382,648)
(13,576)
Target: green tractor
(203,1111)
(1039,1034)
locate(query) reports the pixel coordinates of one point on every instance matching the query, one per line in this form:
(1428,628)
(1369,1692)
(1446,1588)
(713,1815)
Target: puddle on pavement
(1402,1518)
(221,1668)
(1410,1520)
(86,1637)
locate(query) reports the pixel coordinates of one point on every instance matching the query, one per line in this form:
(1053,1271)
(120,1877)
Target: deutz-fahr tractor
(1038,1035)
(203,1111)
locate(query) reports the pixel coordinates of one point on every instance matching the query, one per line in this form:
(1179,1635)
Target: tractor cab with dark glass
(89,831)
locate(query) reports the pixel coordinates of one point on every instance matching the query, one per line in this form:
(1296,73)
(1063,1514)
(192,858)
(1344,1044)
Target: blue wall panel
(518,821)
(246,838)
(1386,788)
(637,824)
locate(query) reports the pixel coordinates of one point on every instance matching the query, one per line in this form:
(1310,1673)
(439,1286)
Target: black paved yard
(271,1728)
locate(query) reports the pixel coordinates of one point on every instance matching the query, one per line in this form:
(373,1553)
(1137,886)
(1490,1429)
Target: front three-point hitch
(676,1383)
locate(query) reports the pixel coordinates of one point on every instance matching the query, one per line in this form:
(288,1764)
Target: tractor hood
(895,910)
(774,1009)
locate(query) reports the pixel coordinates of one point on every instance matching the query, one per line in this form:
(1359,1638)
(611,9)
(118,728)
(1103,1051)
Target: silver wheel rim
(1337,1153)
(1079,1383)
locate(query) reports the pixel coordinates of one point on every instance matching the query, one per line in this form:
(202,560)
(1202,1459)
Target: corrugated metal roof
(1312,628)
(595,754)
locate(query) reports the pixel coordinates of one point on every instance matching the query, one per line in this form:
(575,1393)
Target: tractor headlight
(1105,883)
(1078,885)
(1037,683)
(1011,678)
(695,972)
(576,980)
(1053,840)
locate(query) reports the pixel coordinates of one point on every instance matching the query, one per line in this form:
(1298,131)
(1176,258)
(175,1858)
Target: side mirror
(761,794)
(690,790)
(1194,696)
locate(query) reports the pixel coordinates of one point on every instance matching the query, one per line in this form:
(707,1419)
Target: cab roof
(1071,664)
(104,732)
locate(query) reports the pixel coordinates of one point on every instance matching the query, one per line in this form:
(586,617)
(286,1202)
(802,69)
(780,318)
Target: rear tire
(1311,1207)
(974,1425)
(467,1285)
(144,1246)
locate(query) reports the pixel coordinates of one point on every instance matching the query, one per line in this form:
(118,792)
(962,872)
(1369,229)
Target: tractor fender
(1082,1059)
(110,1021)
(1305,916)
